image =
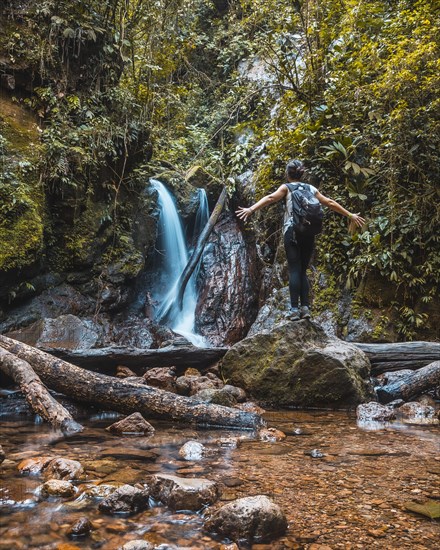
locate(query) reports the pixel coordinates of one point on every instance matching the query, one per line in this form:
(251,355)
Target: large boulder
(253,519)
(297,364)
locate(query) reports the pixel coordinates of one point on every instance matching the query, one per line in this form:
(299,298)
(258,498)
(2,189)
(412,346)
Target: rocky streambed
(338,485)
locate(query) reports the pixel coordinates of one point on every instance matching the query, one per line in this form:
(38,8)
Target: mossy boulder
(296,364)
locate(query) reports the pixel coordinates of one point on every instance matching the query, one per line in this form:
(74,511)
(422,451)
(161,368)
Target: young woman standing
(298,245)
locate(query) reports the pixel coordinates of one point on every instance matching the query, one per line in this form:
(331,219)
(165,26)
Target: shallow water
(352,497)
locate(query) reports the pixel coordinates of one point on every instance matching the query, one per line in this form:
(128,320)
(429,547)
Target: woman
(299,246)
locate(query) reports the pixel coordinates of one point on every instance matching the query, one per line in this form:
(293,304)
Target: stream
(351,497)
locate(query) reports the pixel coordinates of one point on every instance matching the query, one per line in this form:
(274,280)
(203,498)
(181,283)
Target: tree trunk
(399,356)
(196,255)
(126,397)
(36,394)
(412,385)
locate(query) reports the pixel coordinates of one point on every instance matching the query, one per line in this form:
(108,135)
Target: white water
(172,246)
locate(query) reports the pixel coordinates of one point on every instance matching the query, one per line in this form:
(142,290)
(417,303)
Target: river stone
(133,424)
(34,466)
(271,434)
(2,454)
(161,377)
(375,412)
(192,450)
(125,499)
(137,545)
(184,493)
(81,528)
(56,488)
(254,519)
(297,364)
(190,385)
(216,397)
(417,413)
(63,468)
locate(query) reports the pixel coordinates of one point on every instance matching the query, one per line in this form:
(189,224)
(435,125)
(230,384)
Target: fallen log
(412,385)
(126,397)
(140,360)
(401,355)
(36,394)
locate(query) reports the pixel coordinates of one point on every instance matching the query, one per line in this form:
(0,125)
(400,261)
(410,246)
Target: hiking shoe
(305,312)
(293,314)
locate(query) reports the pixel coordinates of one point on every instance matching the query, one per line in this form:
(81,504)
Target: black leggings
(298,255)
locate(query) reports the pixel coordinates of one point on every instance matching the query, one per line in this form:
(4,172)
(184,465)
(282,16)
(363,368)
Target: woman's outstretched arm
(244,213)
(333,205)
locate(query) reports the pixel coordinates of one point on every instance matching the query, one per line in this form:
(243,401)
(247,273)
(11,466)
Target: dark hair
(295,169)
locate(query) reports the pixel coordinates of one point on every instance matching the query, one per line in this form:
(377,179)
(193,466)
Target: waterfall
(173,249)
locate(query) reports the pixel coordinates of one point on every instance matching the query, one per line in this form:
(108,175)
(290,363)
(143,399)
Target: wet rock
(396,403)
(63,332)
(126,499)
(192,372)
(374,412)
(427,400)
(417,413)
(133,424)
(228,297)
(250,407)
(314,453)
(192,450)
(271,434)
(81,528)
(2,454)
(217,397)
(103,490)
(34,466)
(254,519)
(63,468)
(190,385)
(123,372)
(163,378)
(137,545)
(238,394)
(56,488)
(296,364)
(133,333)
(184,494)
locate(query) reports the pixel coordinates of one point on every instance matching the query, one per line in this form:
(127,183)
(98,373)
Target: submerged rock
(133,424)
(254,519)
(296,364)
(125,499)
(184,493)
(375,412)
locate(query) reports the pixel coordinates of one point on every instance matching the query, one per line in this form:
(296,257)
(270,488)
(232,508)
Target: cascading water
(173,248)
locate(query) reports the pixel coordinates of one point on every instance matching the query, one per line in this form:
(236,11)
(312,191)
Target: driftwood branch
(412,385)
(127,397)
(36,393)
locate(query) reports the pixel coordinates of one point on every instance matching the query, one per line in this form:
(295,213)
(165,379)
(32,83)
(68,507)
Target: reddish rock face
(228,298)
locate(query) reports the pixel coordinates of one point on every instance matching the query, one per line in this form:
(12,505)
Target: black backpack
(307,211)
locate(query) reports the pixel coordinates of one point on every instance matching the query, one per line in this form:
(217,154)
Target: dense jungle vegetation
(126,89)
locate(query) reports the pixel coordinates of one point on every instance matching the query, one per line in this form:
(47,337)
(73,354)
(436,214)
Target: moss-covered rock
(296,364)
